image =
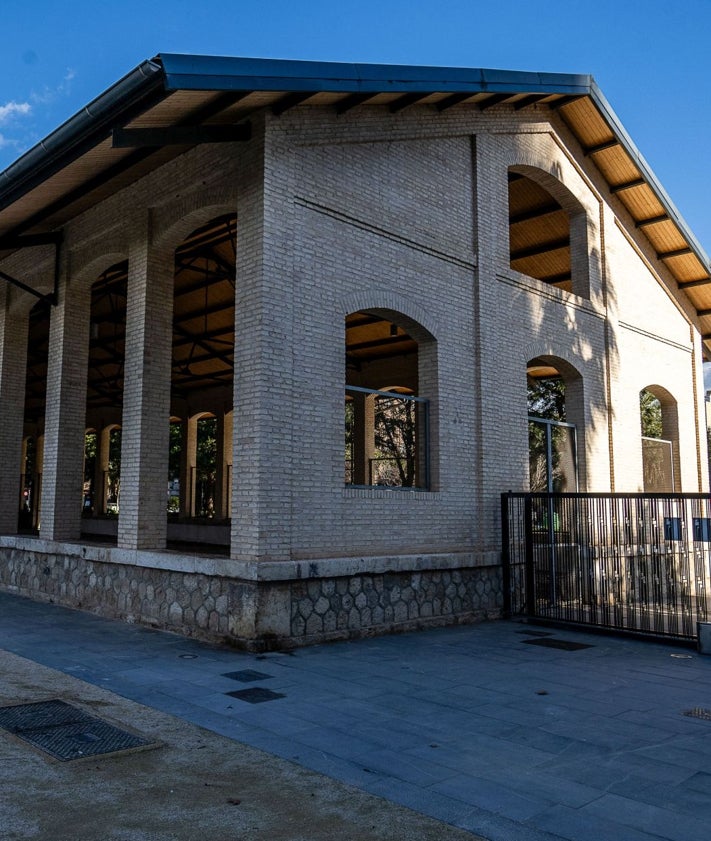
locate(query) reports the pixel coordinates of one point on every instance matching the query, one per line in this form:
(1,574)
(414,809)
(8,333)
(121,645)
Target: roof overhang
(171,102)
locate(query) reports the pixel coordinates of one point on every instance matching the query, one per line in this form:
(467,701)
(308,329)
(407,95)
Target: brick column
(363,436)
(13,357)
(186,493)
(65,415)
(146,396)
(101,470)
(190,452)
(264,399)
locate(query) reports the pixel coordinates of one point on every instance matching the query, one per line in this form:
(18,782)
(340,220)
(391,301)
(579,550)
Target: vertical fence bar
(529,572)
(506,502)
(636,562)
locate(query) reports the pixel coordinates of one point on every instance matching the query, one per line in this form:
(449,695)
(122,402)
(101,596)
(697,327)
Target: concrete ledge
(368,565)
(298,570)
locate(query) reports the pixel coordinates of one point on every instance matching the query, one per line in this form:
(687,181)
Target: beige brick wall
(405,213)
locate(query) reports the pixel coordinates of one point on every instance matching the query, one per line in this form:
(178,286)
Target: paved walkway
(486,727)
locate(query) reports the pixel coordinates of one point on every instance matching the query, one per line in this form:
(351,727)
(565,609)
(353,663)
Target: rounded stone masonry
(253,614)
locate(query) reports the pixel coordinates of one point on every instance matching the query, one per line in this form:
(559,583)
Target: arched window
(660,440)
(35,401)
(104,393)
(552,435)
(203,370)
(547,231)
(386,417)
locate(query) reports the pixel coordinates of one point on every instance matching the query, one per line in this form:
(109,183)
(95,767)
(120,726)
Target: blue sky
(650,58)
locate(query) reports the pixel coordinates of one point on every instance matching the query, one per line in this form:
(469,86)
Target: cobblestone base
(331,608)
(196,605)
(255,615)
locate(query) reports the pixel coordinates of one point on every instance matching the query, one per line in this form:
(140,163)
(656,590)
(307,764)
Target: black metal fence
(633,562)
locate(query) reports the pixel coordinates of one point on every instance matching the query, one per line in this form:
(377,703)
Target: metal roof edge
(191,72)
(47,156)
(626,141)
(168,72)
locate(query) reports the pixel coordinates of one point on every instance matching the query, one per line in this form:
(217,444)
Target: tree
(546,397)
(650,410)
(396,441)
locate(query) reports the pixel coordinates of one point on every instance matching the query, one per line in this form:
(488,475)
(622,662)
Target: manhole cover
(563,645)
(247,676)
(699,712)
(66,732)
(256,695)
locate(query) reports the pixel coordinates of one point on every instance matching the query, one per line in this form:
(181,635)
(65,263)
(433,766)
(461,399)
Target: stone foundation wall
(333,608)
(191,604)
(255,614)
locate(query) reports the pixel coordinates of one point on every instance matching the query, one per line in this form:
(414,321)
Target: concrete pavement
(512,732)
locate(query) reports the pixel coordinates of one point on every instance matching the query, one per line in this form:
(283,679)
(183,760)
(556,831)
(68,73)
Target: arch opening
(547,231)
(200,458)
(34,413)
(552,428)
(387,420)
(659,426)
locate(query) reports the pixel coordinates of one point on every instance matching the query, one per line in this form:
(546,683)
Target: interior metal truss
(203,325)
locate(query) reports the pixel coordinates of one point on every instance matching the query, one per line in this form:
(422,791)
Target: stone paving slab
(469,725)
(192,784)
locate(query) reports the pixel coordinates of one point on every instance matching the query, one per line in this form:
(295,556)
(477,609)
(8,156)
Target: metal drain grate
(247,676)
(699,712)
(563,645)
(66,732)
(256,695)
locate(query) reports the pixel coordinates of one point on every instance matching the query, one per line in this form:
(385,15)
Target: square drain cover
(256,695)
(66,732)
(535,633)
(563,645)
(247,676)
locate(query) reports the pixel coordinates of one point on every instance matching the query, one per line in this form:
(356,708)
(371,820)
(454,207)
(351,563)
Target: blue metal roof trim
(184,72)
(78,128)
(171,72)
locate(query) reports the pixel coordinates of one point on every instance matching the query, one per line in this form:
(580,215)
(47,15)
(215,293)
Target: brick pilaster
(63,474)
(146,397)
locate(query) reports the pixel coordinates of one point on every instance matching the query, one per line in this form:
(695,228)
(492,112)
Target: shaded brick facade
(402,213)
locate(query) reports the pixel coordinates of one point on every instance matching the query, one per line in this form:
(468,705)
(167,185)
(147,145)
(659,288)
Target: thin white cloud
(63,88)
(13,109)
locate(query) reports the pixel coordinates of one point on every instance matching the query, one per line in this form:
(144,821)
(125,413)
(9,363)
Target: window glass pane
(657,465)
(385,439)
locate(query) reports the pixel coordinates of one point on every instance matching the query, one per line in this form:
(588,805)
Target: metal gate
(632,562)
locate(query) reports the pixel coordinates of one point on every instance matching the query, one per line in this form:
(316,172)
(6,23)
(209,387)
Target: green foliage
(650,410)
(90,447)
(206,457)
(175,448)
(114,465)
(546,398)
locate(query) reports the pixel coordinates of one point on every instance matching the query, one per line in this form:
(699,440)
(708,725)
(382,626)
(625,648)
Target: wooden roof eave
(143,95)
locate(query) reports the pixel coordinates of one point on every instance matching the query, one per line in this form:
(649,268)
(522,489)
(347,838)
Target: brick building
(274,337)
